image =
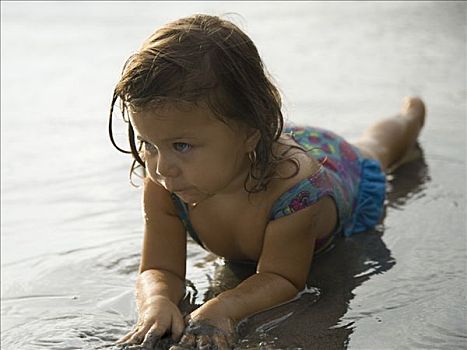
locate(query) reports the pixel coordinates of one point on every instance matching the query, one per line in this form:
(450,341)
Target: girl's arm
(164,246)
(282,272)
(161,282)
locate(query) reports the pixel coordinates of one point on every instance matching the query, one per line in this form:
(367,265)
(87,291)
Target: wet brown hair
(205,59)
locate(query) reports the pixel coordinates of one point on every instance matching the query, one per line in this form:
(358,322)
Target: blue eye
(149,147)
(181,147)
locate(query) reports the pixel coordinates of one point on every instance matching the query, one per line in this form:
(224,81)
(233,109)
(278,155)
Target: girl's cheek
(151,174)
(151,165)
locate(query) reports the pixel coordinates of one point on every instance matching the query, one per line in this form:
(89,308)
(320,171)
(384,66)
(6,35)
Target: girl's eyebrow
(139,138)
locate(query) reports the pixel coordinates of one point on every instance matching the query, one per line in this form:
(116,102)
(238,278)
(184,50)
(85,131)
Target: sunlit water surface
(71,224)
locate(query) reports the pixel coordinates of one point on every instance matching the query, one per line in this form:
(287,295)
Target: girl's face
(191,153)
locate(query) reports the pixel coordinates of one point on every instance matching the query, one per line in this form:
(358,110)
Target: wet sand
(71,229)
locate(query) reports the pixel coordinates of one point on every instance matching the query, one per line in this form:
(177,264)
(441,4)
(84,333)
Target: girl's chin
(191,196)
(188,196)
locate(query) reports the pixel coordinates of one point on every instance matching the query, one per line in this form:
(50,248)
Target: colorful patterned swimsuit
(357,185)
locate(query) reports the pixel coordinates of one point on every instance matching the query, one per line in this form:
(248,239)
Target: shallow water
(71,224)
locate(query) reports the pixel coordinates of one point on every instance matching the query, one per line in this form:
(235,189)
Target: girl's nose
(165,167)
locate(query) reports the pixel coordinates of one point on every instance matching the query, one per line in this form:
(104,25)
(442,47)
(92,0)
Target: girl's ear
(252,139)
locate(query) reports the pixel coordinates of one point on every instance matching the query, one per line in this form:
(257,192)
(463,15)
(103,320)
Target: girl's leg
(391,139)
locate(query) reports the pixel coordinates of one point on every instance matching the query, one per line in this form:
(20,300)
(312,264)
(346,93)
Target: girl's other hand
(157,317)
(208,327)
(205,334)
(202,335)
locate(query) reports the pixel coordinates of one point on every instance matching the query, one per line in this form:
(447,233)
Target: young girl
(205,122)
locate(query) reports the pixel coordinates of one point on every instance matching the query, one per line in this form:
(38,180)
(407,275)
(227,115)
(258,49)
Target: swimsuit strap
(302,195)
(182,210)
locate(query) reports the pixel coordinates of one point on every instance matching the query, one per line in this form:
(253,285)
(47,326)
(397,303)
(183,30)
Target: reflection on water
(408,183)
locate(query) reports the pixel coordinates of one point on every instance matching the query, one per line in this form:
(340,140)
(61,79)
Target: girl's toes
(413,107)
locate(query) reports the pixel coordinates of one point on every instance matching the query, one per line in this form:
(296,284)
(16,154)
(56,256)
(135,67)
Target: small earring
(252,156)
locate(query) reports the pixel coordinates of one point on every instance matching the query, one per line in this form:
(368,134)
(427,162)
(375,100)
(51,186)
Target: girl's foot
(413,108)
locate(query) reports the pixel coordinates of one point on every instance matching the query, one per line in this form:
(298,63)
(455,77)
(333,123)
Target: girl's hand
(157,317)
(203,335)
(208,328)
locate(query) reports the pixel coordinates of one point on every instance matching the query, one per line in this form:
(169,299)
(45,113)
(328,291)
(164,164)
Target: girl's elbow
(293,284)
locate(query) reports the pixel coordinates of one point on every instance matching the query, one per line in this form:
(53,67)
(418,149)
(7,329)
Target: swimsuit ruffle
(370,198)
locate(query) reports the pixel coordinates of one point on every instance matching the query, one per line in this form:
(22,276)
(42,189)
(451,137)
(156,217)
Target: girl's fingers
(151,338)
(230,339)
(154,334)
(138,337)
(178,326)
(125,337)
(220,342)
(203,342)
(188,341)
(128,336)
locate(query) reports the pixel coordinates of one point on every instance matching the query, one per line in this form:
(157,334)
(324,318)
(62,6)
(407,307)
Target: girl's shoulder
(297,165)
(307,189)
